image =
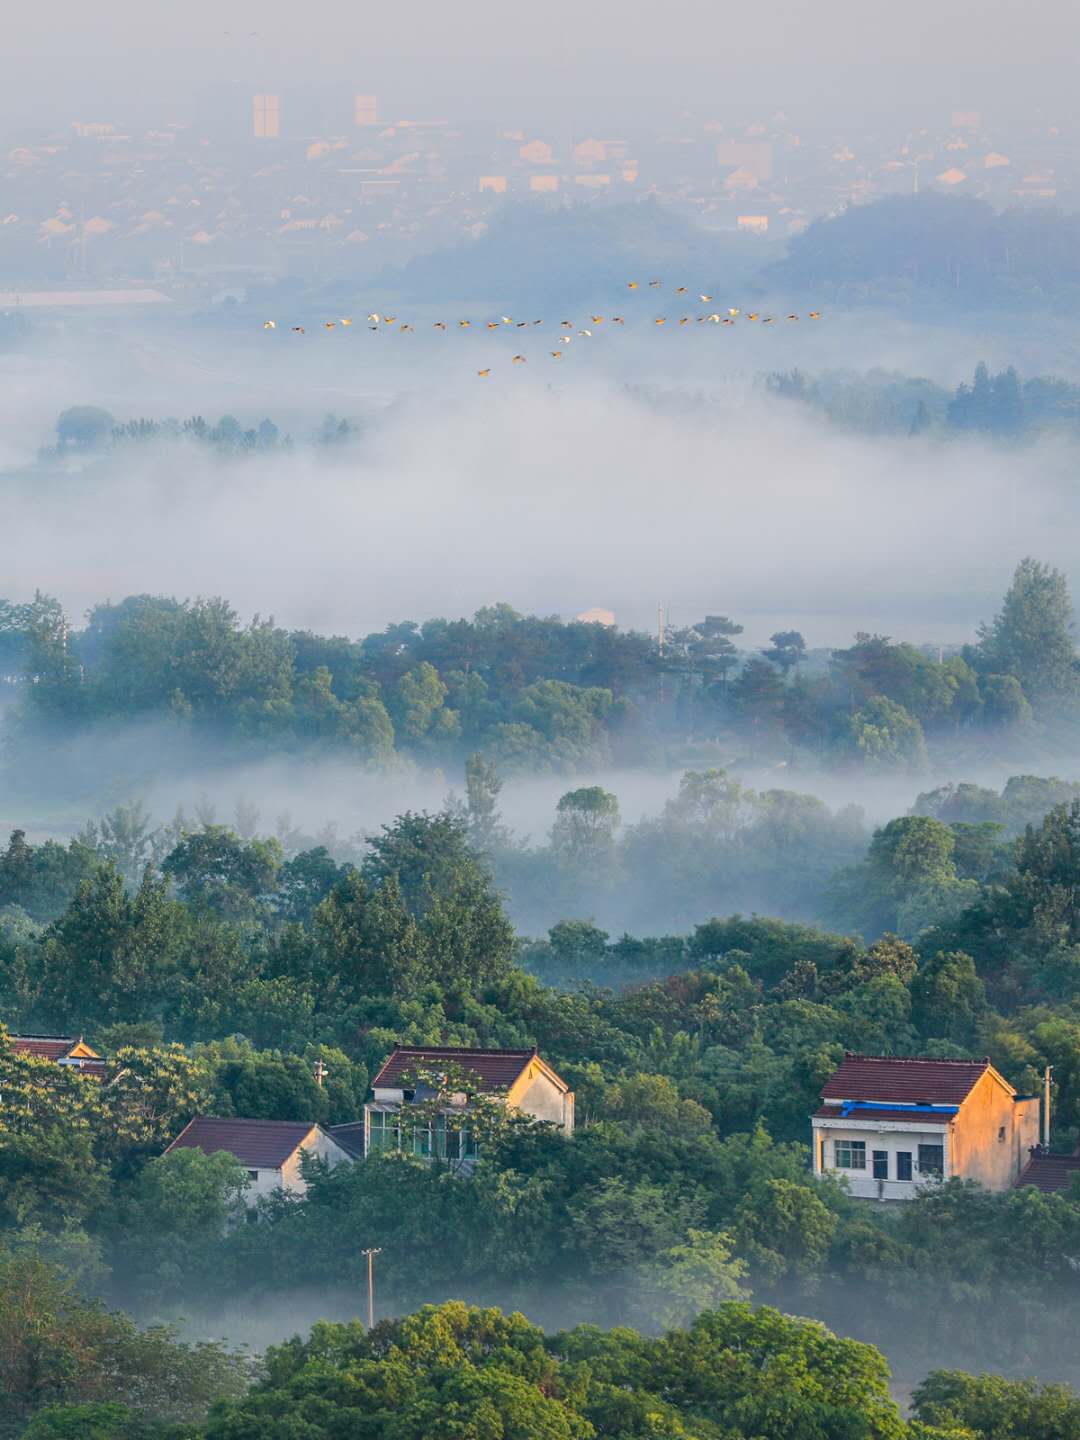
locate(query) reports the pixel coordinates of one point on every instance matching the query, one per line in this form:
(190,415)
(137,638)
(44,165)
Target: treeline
(962,250)
(479,1374)
(218,980)
(528,693)
(882,402)
(89,428)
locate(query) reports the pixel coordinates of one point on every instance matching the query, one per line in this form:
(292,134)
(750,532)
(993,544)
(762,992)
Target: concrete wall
(891,1137)
(994,1135)
(265,1182)
(544,1100)
(319,1146)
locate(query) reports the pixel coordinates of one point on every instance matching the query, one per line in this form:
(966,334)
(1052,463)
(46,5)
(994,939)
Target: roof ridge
(249,1120)
(920,1059)
(466,1049)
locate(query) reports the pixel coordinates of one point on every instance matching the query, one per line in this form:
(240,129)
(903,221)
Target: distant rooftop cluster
(269,193)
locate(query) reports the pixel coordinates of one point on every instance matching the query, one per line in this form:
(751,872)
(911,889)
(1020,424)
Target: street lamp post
(375,1250)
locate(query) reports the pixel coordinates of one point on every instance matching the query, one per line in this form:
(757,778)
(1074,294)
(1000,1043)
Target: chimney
(1046,1108)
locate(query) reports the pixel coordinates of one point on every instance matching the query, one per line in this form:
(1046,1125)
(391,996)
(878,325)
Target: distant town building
(754,156)
(365,110)
(543,184)
(269,1150)
(536,152)
(753,224)
(891,1125)
(495,183)
(597,616)
(267,117)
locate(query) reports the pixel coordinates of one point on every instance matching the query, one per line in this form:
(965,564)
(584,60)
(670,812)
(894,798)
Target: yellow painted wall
(992,1135)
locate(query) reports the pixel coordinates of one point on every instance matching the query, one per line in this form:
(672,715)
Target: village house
(62,1050)
(517,1078)
(892,1125)
(269,1150)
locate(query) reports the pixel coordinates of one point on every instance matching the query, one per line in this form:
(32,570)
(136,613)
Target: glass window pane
(881,1164)
(850,1154)
(903,1164)
(932,1160)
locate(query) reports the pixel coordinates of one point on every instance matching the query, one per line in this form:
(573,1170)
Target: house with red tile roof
(1048,1172)
(520,1079)
(890,1125)
(62,1050)
(271,1151)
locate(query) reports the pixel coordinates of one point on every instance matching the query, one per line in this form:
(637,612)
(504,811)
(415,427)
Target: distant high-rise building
(267,112)
(366,110)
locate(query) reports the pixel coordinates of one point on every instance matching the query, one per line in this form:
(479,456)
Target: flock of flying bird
(381,321)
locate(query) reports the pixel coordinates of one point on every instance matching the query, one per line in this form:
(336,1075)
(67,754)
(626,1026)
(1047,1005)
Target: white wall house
(519,1078)
(891,1125)
(269,1150)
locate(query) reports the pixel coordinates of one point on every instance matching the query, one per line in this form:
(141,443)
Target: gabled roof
(258,1144)
(53,1047)
(915,1081)
(61,1049)
(1049,1173)
(495,1069)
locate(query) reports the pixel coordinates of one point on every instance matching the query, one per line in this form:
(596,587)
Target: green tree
(883,735)
(585,824)
(788,650)
(216,870)
(1031,636)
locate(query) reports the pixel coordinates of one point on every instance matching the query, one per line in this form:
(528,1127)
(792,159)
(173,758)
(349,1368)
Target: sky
(126,52)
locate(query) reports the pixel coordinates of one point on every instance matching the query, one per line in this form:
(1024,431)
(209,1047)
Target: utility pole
(375,1250)
(660,629)
(1047,1075)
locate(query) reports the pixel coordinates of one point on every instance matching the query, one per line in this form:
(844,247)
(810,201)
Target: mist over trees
(525,694)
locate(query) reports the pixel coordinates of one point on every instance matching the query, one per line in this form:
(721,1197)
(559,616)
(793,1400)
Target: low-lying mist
(553,488)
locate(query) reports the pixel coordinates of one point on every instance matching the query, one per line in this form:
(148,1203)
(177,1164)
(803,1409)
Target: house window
(932,1160)
(881,1164)
(253,1174)
(421,1140)
(384,1133)
(1001,1134)
(903,1164)
(851,1154)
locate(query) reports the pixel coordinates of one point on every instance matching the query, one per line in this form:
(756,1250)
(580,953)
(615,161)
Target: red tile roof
(885,1077)
(258,1144)
(857,1117)
(1050,1172)
(495,1069)
(58,1048)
